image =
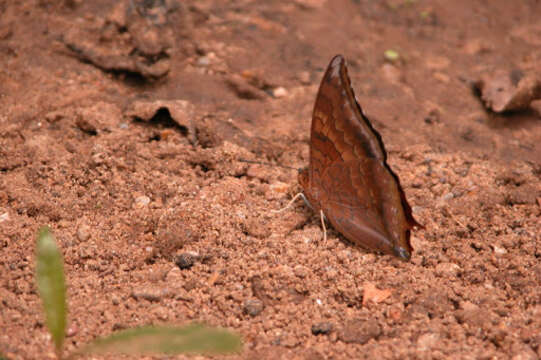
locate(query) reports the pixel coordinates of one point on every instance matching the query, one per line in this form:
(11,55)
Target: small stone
(190,285)
(54,116)
(499,250)
(395,312)
(444,78)
(322,328)
(115,299)
(360,331)
(174,276)
(279,92)
(253,307)
(301,271)
(521,195)
(86,125)
(304,77)
(142,201)
(185,260)
(391,73)
(72,331)
(161,313)
(83,232)
(279,187)
(4,217)
(372,294)
(447,269)
(437,62)
(203,61)
(149,293)
(473,315)
(427,341)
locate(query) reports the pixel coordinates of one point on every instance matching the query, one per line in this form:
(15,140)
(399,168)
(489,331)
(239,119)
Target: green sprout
(193,339)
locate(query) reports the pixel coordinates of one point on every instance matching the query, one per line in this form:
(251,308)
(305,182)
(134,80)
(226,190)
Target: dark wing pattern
(348,176)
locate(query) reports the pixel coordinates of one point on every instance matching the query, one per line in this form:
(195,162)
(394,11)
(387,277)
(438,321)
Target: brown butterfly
(348,178)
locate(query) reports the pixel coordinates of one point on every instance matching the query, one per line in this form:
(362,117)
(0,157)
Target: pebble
(115,299)
(300,271)
(185,260)
(174,276)
(360,331)
(72,331)
(203,61)
(447,269)
(83,232)
(142,201)
(161,313)
(499,250)
(149,293)
(427,341)
(391,73)
(304,77)
(4,217)
(279,92)
(253,307)
(322,328)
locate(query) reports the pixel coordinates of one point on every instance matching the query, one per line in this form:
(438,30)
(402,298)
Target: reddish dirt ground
(130,195)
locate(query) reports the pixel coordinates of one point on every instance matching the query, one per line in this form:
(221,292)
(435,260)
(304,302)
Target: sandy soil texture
(122,125)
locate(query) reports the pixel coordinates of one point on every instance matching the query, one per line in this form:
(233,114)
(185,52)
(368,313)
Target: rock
(150,293)
(133,39)
(304,77)
(253,307)
(427,341)
(115,299)
(391,73)
(360,331)
(185,260)
(256,228)
(141,201)
(4,217)
(437,62)
(322,328)
(508,90)
(473,315)
(372,294)
(86,125)
(72,330)
(174,276)
(243,89)
(83,232)
(447,269)
(499,250)
(524,194)
(301,271)
(280,92)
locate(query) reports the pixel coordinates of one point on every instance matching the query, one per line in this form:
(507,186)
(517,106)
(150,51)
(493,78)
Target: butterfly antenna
(267,164)
(299,195)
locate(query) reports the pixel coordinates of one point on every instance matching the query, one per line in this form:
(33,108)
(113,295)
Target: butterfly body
(348,177)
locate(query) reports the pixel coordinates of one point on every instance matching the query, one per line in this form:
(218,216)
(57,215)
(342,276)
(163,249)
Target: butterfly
(348,180)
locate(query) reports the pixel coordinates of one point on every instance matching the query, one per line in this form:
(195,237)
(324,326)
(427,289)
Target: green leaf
(51,285)
(166,340)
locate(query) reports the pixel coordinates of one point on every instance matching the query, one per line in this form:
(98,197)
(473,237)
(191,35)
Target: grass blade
(166,340)
(51,285)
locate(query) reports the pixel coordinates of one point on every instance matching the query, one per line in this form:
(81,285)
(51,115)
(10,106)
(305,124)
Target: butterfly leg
(323,225)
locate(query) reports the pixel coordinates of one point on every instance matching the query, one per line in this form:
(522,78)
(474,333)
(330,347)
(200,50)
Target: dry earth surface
(122,126)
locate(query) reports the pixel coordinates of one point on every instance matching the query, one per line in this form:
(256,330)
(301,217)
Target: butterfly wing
(348,176)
